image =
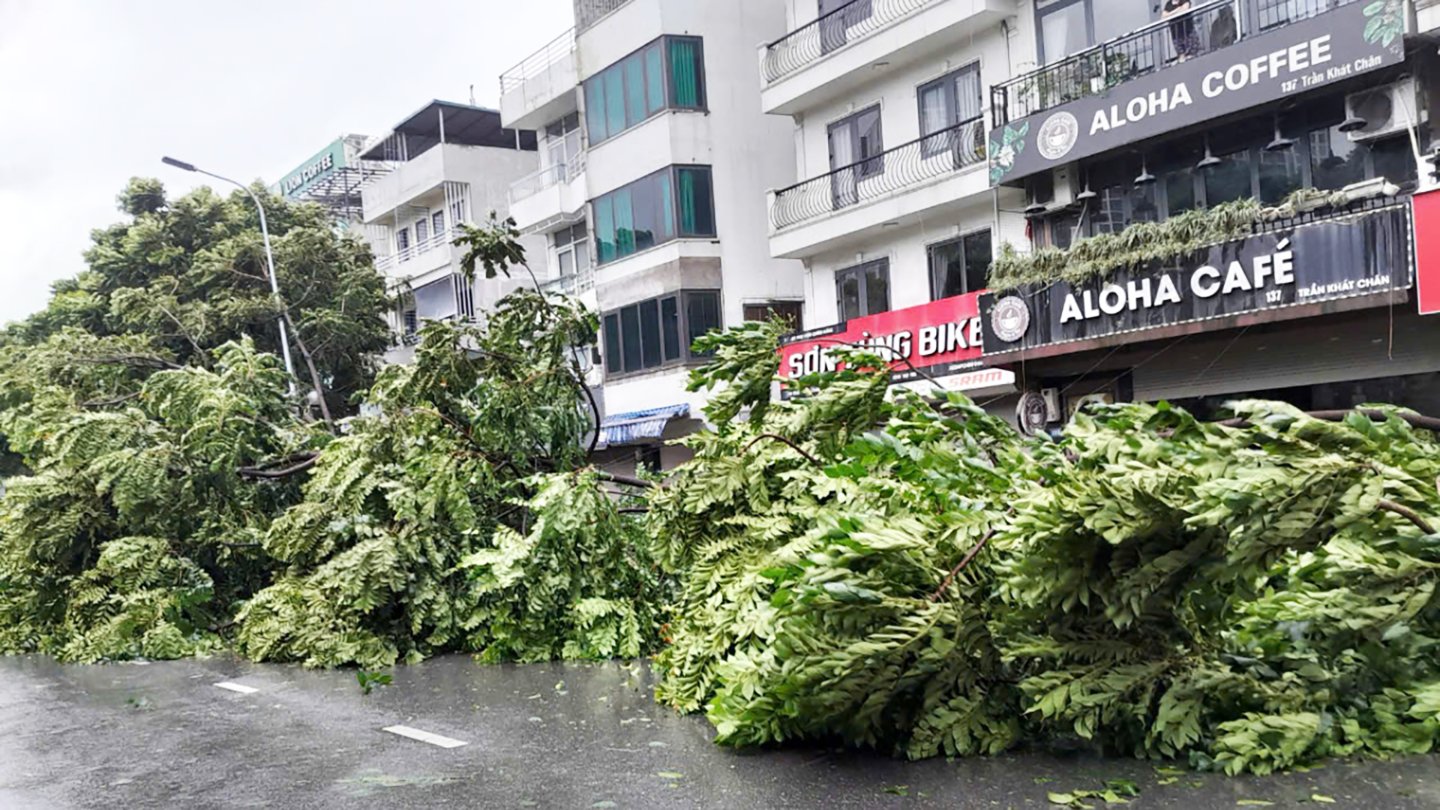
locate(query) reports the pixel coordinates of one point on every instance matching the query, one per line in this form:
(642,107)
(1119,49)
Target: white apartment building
(891,207)
(449,164)
(655,155)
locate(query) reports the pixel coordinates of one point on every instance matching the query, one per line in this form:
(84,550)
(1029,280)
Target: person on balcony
(1182,30)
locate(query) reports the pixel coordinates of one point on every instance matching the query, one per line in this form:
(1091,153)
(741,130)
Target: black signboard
(1301,56)
(1347,257)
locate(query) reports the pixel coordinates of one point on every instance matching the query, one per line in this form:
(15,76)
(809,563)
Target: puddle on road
(373,780)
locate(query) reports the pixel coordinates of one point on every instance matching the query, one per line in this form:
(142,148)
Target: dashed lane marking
(237,687)
(424,736)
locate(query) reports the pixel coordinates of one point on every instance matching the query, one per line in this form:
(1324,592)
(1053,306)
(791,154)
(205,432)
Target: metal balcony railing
(554,174)
(399,257)
(537,63)
(589,12)
(1152,47)
(573,284)
(850,22)
(939,153)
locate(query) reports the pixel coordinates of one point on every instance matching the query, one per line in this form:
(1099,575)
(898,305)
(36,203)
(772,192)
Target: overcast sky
(93,93)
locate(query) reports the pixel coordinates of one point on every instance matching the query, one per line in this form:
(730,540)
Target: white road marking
(237,687)
(424,736)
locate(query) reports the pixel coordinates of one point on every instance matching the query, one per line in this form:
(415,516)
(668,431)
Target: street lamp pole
(269,258)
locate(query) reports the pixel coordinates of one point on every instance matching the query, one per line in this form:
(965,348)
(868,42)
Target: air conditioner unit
(1383,110)
(1065,185)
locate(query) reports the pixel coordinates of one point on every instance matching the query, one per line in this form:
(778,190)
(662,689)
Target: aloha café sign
(1348,258)
(1294,58)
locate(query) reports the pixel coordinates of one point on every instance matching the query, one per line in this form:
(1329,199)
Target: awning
(634,427)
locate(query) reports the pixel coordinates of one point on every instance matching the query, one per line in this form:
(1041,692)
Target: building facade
(655,156)
(1146,133)
(449,164)
(891,210)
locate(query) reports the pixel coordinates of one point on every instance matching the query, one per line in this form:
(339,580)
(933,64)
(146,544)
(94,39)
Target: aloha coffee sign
(1350,40)
(1344,258)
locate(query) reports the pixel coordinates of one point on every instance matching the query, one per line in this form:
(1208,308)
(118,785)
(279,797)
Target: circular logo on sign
(1010,319)
(1057,135)
(1030,413)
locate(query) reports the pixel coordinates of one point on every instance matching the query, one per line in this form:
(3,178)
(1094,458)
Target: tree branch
(133,360)
(793,446)
(108,402)
(1413,419)
(1407,513)
(964,561)
(298,462)
(625,479)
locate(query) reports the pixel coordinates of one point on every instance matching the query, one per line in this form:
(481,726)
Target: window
(959,266)
(855,147)
(673,202)
(436,301)
(1230,180)
(422,232)
(1335,160)
(402,240)
(572,249)
(562,145)
(787,311)
(1070,26)
(1279,174)
(667,73)
(464,298)
(409,322)
(651,333)
(457,212)
(863,289)
(437,222)
(944,103)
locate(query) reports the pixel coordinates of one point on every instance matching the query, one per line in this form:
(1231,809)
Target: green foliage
(416,533)
(135,534)
(1251,595)
(815,554)
(183,277)
(1145,242)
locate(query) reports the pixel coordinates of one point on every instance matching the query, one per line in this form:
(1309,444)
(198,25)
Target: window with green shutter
(676,201)
(668,73)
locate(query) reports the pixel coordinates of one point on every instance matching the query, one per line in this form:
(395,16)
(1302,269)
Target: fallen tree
(1250,594)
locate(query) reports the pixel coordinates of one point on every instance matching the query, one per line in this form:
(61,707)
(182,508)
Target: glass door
(855,147)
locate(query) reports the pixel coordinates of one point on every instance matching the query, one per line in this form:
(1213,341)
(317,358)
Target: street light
(269,258)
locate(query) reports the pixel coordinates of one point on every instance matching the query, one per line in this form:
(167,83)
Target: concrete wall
(748,151)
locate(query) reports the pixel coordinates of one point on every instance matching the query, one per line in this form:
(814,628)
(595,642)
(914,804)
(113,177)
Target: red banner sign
(1427,251)
(941,337)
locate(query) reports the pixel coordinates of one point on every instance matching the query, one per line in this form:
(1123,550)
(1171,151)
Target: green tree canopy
(188,275)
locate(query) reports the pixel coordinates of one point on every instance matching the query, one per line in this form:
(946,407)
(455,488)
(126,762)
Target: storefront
(1319,309)
(937,344)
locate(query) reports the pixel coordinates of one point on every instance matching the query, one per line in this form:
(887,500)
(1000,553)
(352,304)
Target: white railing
(399,257)
(554,174)
(573,284)
(537,63)
(589,12)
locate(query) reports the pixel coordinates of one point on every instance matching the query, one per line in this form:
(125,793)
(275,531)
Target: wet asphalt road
(563,736)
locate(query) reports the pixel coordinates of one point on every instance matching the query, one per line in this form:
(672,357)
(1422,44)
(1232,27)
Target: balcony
(903,182)
(542,87)
(420,258)
(1186,73)
(553,196)
(589,12)
(846,48)
(574,284)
